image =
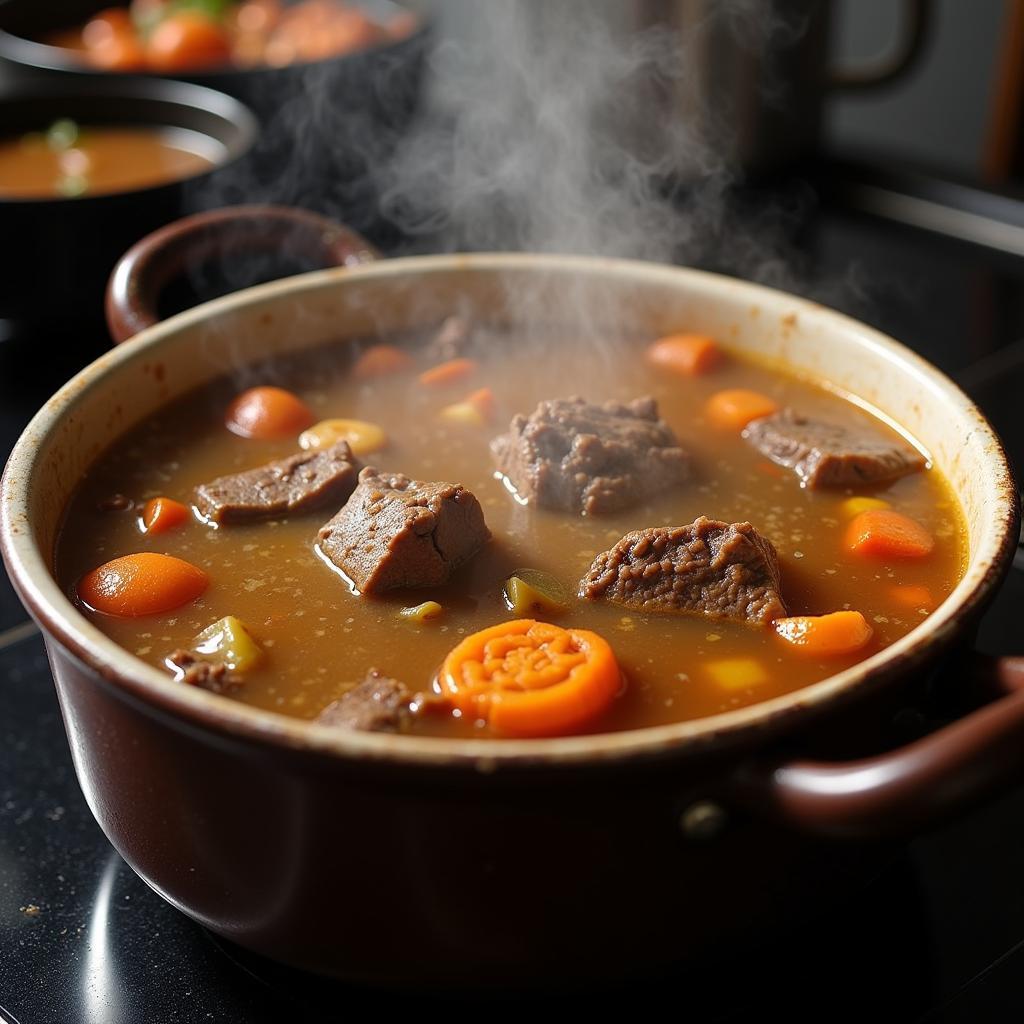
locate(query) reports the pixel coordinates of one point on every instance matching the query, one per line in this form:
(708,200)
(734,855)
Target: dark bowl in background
(328,126)
(57,253)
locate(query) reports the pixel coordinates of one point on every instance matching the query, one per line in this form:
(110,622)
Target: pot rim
(60,619)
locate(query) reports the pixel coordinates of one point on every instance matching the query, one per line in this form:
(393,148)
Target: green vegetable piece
(62,134)
(422,612)
(230,641)
(532,590)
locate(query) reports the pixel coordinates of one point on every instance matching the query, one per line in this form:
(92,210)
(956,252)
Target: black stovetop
(936,934)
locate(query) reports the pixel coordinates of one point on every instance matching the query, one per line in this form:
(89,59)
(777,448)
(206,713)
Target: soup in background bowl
(64,234)
(572,857)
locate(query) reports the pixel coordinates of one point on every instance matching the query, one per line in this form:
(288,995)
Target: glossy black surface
(936,933)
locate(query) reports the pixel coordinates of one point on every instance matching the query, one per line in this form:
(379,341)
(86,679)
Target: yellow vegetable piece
(531,590)
(854,506)
(422,612)
(463,412)
(362,437)
(737,673)
(230,641)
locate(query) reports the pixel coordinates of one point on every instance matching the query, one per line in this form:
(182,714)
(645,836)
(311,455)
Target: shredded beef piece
(707,568)
(396,532)
(572,455)
(378,704)
(214,676)
(829,455)
(294,484)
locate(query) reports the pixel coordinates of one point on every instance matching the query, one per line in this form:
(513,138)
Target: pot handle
(916,785)
(887,68)
(152,263)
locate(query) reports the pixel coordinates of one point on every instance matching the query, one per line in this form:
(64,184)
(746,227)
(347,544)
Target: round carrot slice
(527,678)
(688,355)
(268,412)
(145,583)
(734,408)
(381,360)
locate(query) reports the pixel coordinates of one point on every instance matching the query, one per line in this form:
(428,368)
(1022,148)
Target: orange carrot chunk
(482,399)
(689,355)
(142,584)
(825,636)
(379,361)
(448,373)
(884,534)
(162,514)
(735,408)
(187,40)
(268,412)
(527,678)
(475,410)
(913,595)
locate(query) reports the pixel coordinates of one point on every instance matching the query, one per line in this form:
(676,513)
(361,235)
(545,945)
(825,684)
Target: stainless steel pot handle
(917,23)
(156,260)
(916,785)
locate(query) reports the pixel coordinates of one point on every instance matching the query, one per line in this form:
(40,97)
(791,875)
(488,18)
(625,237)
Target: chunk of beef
(294,484)
(569,454)
(454,338)
(707,568)
(829,455)
(214,676)
(396,532)
(378,704)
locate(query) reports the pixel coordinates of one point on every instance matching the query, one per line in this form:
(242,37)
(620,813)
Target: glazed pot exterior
(437,862)
(438,877)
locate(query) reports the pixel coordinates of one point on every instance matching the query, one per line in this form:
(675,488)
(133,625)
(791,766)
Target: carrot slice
(379,361)
(268,412)
(884,534)
(482,399)
(913,595)
(825,636)
(142,584)
(686,354)
(527,678)
(448,373)
(162,514)
(475,410)
(187,40)
(734,408)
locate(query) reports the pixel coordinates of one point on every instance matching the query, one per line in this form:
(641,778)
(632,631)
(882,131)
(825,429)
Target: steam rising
(577,127)
(549,139)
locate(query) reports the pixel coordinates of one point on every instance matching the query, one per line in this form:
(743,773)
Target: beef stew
(779,584)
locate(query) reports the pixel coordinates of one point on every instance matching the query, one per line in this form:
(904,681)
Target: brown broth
(320,638)
(102,160)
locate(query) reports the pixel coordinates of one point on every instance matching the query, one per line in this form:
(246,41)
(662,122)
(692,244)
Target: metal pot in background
(740,84)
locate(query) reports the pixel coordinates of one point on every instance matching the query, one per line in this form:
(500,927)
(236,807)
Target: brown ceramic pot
(428,861)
